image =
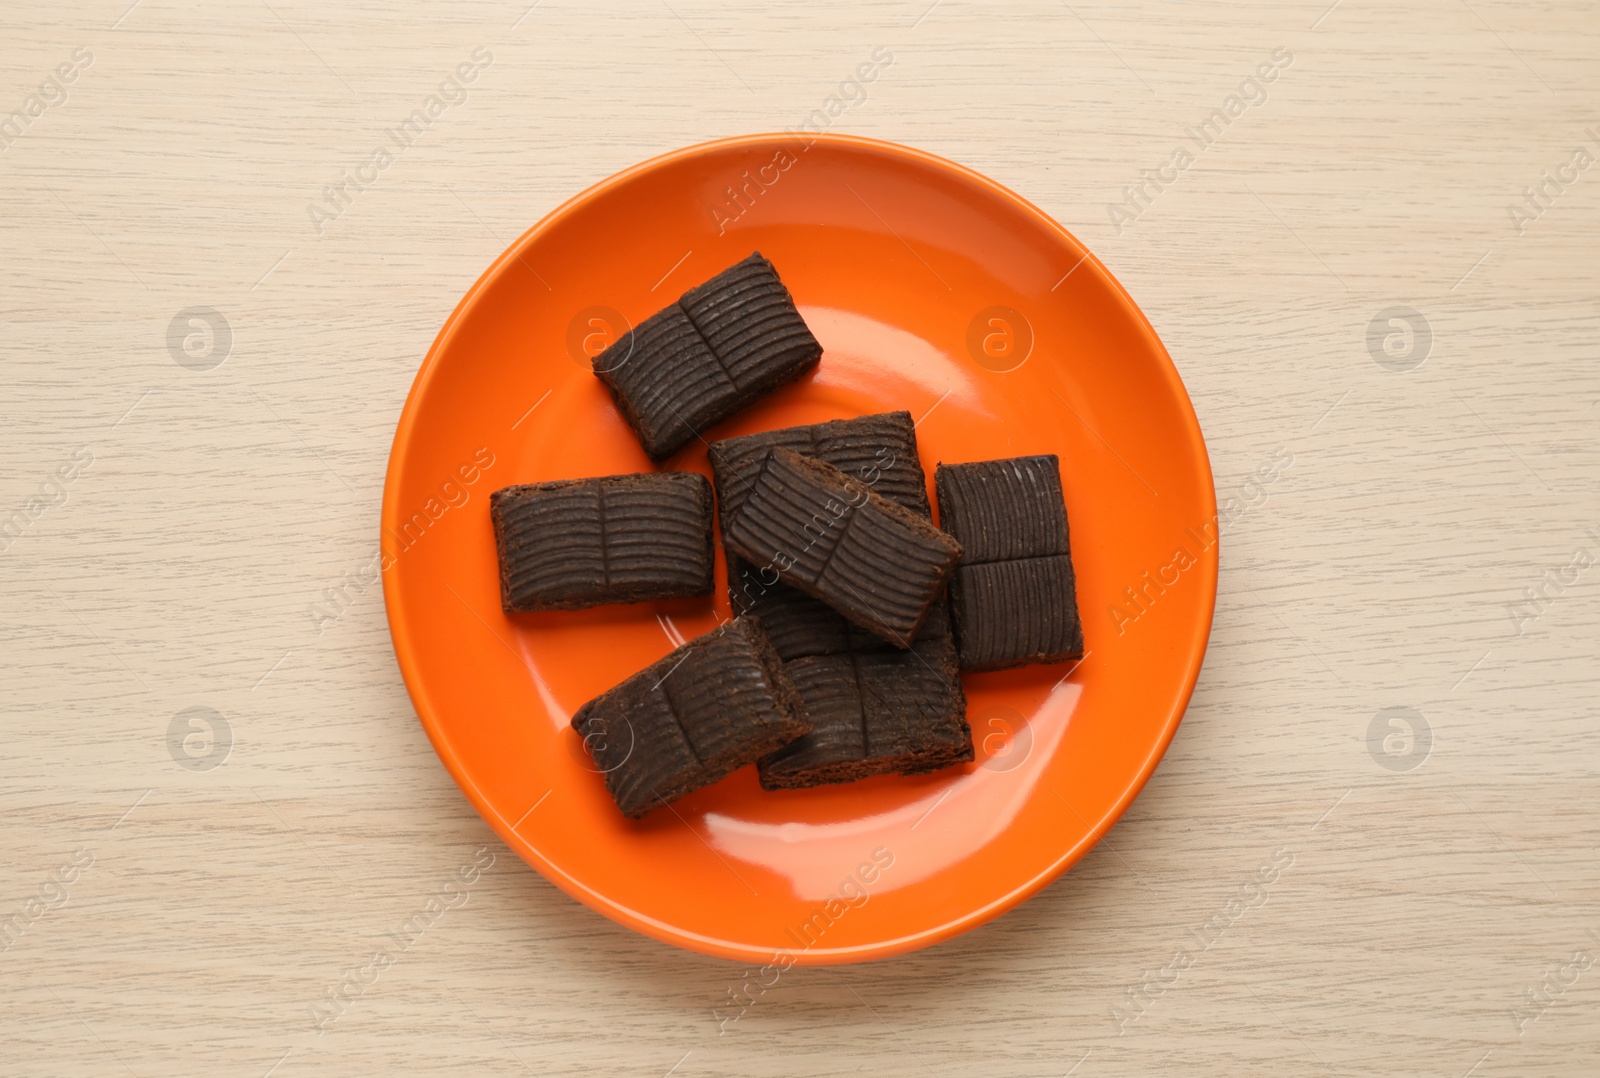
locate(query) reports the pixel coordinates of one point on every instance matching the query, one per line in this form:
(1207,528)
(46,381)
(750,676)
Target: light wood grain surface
(176,907)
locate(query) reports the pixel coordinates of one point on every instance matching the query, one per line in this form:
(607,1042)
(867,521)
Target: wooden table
(201,378)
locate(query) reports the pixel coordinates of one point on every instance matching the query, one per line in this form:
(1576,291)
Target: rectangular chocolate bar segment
(798,624)
(875,712)
(1015,612)
(1002,509)
(666,381)
(717,703)
(750,321)
(576,543)
(723,345)
(877,563)
(879,450)
(1014,595)
(837,742)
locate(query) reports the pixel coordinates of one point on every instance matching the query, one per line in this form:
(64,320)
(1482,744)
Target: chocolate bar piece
(749,320)
(666,381)
(576,543)
(1014,595)
(876,562)
(880,450)
(723,345)
(875,712)
(798,624)
(719,702)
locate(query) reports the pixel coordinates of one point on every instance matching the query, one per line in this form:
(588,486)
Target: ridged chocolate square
(876,562)
(1013,596)
(1000,509)
(750,321)
(1014,612)
(875,712)
(822,650)
(722,346)
(719,702)
(577,543)
(667,382)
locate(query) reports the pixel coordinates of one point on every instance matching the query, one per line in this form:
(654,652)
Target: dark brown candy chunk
(721,701)
(798,624)
(720,347)
(666,381)
(1013,596)
(576,543)
(880,450)
(875,712)
(749,319)
(1015,612)
(877,563)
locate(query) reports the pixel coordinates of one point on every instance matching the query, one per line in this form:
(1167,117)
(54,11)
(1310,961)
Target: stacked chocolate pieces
(877,706)
(720,347)
(878,450)
(844,656)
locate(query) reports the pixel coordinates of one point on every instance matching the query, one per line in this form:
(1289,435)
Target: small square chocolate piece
(1013,595)
(666,382)
(875,712)
(719,702)
(576,543)
(750,322)
(876,562)
(722,346)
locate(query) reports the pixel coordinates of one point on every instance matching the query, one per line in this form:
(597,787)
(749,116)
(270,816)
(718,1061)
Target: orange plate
(932,289)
